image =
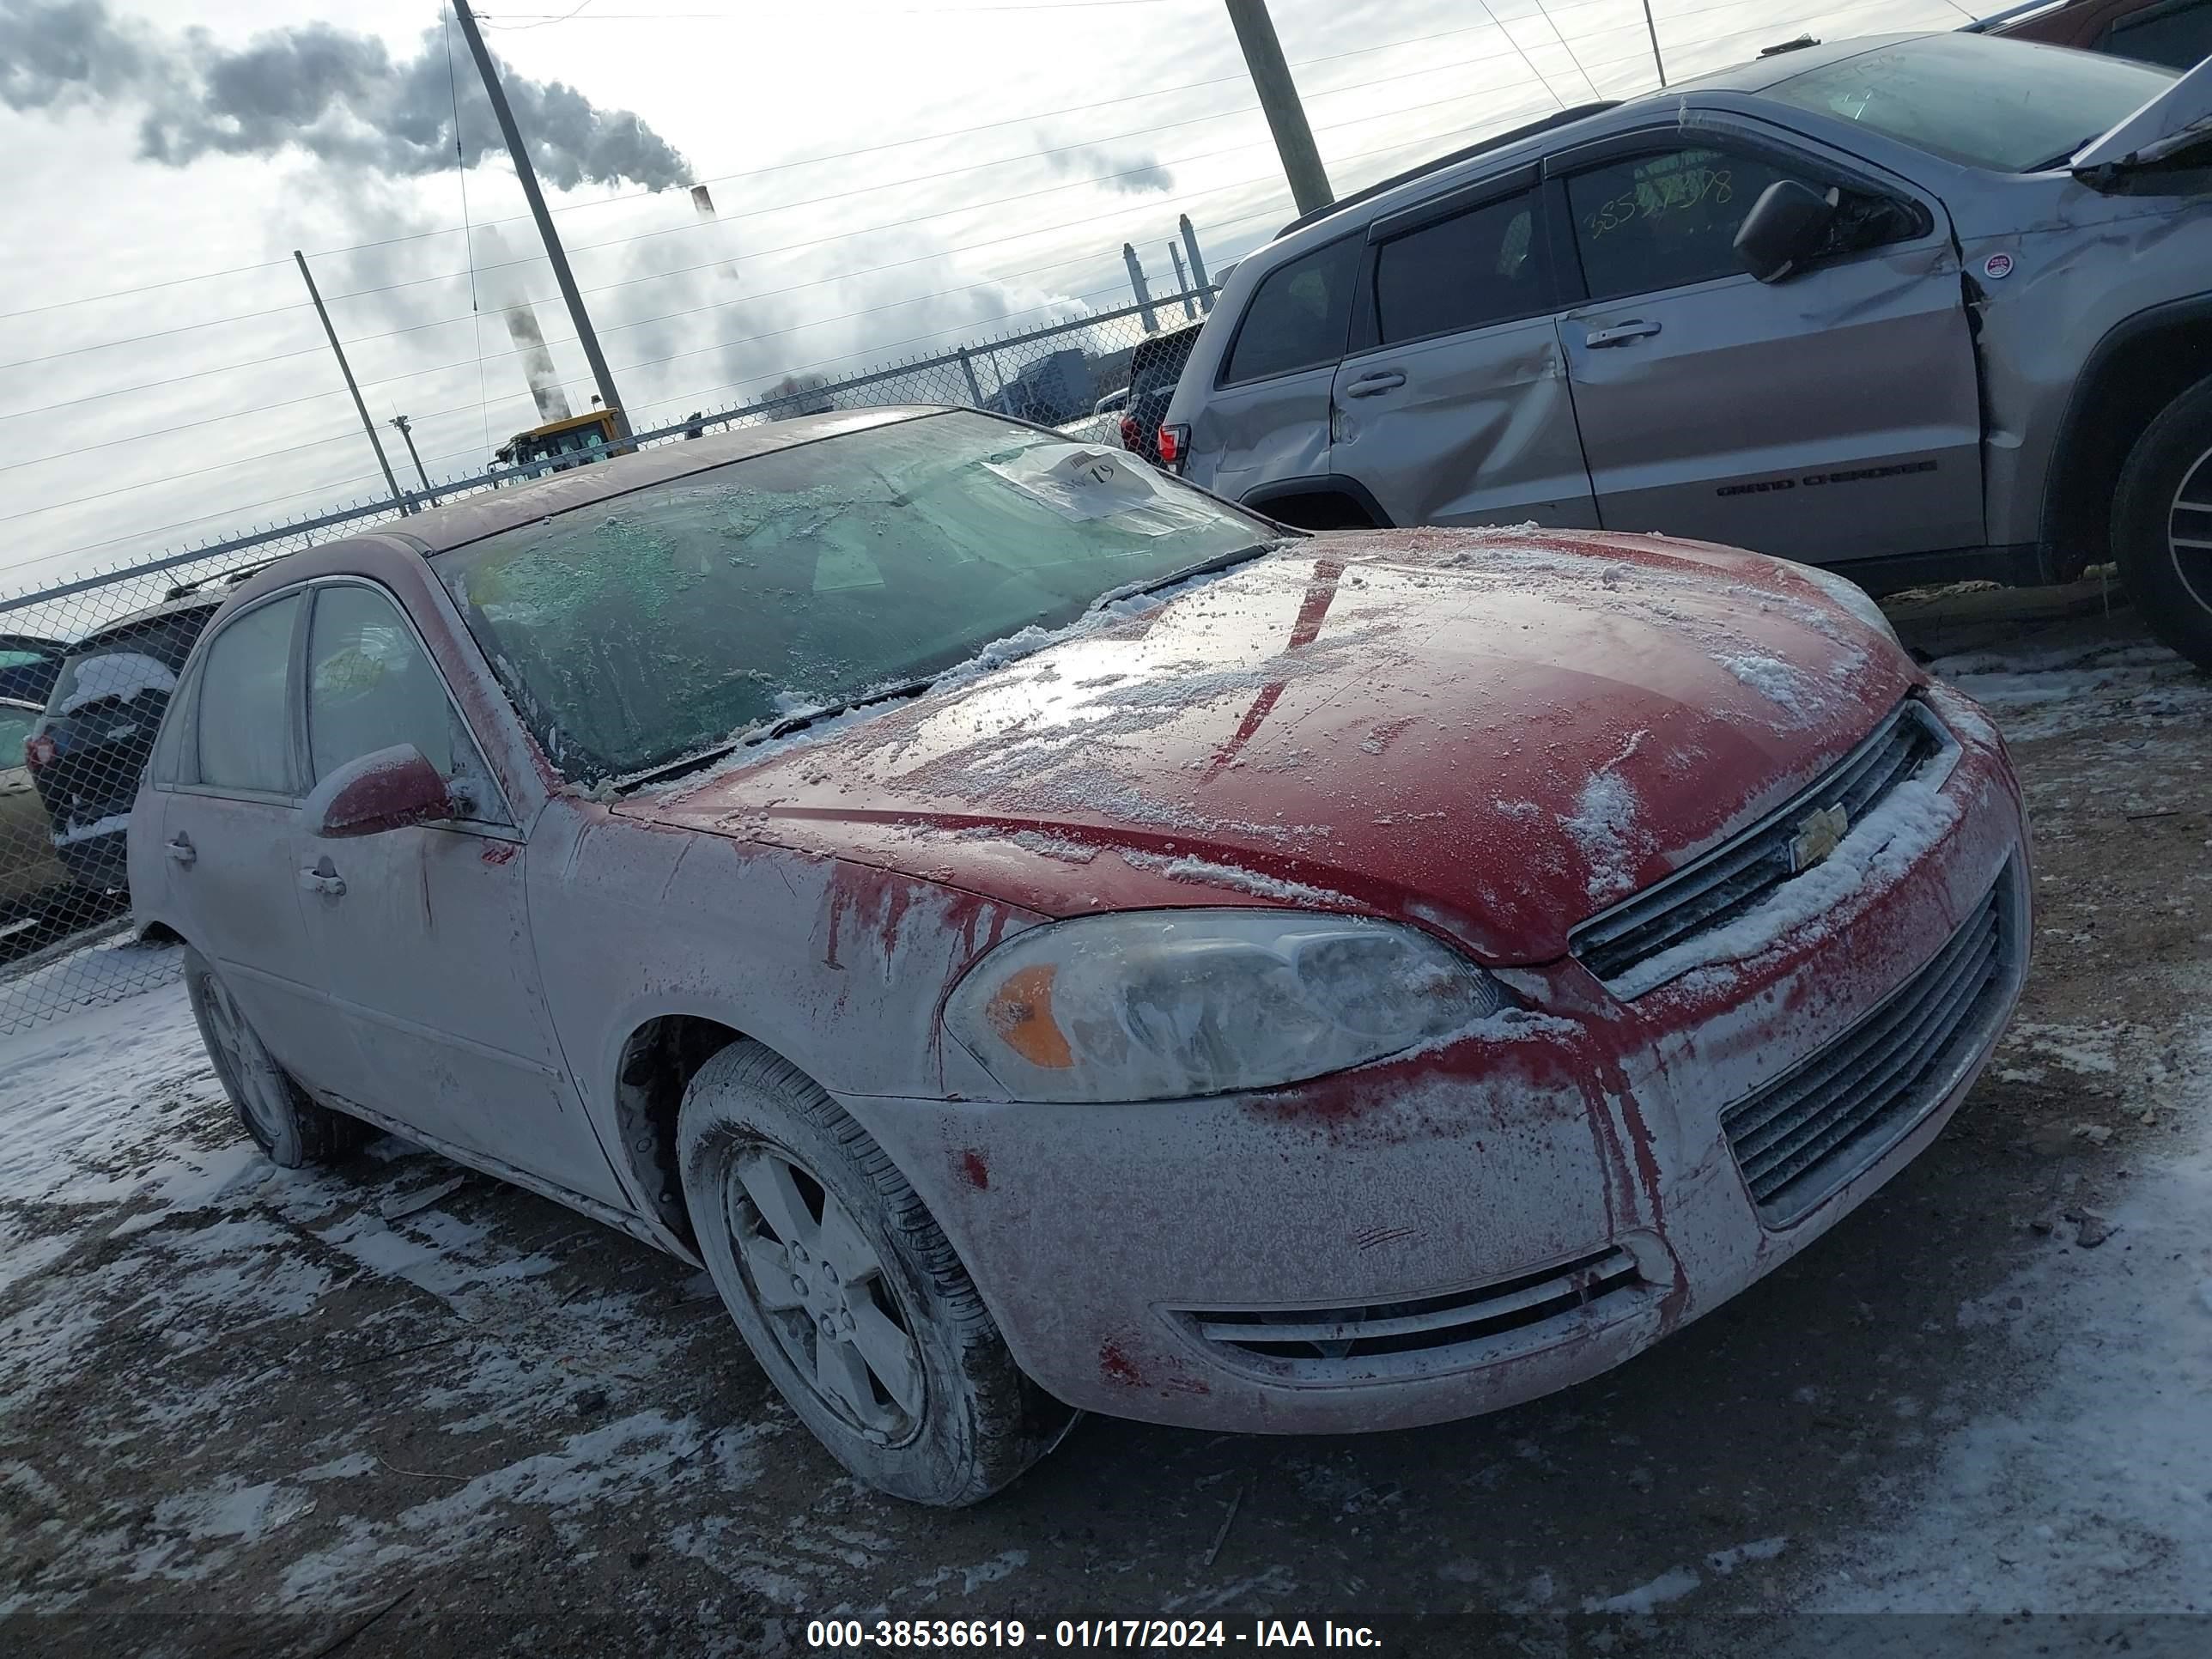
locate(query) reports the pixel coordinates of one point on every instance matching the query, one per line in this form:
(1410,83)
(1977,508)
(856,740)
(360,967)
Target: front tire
(277,1112)
(846,1291)
(2162,524)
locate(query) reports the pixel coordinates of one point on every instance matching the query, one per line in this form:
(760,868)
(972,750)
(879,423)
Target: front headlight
(1853,598)
(1163,1004)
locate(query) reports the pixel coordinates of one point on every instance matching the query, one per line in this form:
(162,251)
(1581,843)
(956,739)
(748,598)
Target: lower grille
(1812,1129)
(1433,1335)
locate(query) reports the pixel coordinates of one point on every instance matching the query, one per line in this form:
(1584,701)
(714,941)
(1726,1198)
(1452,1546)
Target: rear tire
(277,1112)
(2162,524)
(846,1291)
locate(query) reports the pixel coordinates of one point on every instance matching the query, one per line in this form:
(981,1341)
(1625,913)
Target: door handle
(323,881)
(180,849)
(1620,333)
(1368,385)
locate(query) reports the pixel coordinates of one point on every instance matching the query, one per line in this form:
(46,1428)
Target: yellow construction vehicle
(579,439)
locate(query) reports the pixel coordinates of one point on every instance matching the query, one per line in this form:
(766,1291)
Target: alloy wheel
(821,1287)
(2189,531)
(255,1081)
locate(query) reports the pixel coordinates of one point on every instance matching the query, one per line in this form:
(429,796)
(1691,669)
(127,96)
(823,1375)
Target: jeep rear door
(1452,406)
(1833,416)
(1265,420)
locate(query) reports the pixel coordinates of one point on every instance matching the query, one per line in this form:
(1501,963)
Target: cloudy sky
(893,177)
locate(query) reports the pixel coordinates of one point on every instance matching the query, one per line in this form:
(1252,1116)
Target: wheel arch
(653,1068)
(1297,501)
(2140,366)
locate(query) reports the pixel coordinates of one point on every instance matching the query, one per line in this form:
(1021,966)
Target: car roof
(185,604)
(488,512)
(1552,132)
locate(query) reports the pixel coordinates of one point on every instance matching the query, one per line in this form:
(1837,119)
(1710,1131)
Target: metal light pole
(407,431)
(1182,283)
(1655,58)
(346,369)
(521,154)
(1279,100)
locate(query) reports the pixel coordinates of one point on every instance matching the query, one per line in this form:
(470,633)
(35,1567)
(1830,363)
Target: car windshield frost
(2009,106)
(639,631)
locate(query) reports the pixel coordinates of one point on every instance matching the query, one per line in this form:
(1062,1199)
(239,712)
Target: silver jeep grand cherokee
(1917,307)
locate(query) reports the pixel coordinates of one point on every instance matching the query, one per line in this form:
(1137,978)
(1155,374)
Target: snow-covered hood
(1498,732)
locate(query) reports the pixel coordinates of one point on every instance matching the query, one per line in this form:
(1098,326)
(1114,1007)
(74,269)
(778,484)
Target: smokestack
(1137,281)
(1197,264)
(536,363)
(1182,284)
(703,203)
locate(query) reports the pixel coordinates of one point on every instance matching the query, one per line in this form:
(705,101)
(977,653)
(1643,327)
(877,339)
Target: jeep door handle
(1620,333)
(318,881)
(1367,386)
(180,849)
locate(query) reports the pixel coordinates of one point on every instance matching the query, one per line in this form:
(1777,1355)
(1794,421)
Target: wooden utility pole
(553,251)
(1278,101)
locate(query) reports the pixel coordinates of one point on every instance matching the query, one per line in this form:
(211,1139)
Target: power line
(774,167)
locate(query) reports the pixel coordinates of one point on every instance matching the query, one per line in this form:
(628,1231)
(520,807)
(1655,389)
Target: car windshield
(121,665)
(2009,106)
(639,631)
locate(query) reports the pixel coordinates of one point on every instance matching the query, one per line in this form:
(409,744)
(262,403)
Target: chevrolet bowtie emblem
(1818,834)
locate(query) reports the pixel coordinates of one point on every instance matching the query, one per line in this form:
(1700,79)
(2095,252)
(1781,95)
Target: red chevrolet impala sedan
(1047,940)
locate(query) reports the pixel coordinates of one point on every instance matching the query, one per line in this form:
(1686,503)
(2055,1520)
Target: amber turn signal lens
(1020,1013)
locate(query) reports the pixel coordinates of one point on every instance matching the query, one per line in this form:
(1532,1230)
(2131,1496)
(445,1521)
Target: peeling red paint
(500,852)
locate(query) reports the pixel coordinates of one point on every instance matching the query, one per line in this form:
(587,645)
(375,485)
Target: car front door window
(1665,218)
(371,685)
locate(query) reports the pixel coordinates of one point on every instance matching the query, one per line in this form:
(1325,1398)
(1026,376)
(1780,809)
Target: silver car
(1916,308)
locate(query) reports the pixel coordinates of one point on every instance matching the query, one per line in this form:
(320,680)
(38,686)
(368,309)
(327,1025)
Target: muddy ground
(392,1410)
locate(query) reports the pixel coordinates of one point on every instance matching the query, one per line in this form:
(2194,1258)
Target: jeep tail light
(1130,432)
(39,750)
(1175,446)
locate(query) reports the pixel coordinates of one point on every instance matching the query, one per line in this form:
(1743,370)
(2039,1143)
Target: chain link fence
(86,665)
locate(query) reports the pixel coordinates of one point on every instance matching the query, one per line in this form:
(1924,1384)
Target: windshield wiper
(784,725)
(1202,568)
(768,730)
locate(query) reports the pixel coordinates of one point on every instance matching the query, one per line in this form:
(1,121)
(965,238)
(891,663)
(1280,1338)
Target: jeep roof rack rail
(1556,118)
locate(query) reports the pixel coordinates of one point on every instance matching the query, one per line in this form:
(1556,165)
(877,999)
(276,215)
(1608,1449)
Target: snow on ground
(2093,1494)
(260,1406)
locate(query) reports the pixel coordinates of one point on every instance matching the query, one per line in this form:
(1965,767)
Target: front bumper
(1419,1240)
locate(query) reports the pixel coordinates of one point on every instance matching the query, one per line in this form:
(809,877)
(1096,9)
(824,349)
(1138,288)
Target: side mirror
(1784,228)
(390,789)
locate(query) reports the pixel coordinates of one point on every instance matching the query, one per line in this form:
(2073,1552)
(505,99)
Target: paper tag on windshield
(1082,484)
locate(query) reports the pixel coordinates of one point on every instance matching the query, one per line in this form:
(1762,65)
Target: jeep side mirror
(1784,228)
(390,789)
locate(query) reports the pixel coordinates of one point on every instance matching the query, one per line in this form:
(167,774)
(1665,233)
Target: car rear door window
(371,685)
(1298,316)
(244,725)
(2178,35)
(1478,267)
(1665,218)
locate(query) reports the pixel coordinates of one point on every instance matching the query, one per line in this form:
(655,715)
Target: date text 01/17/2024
(855,1635)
